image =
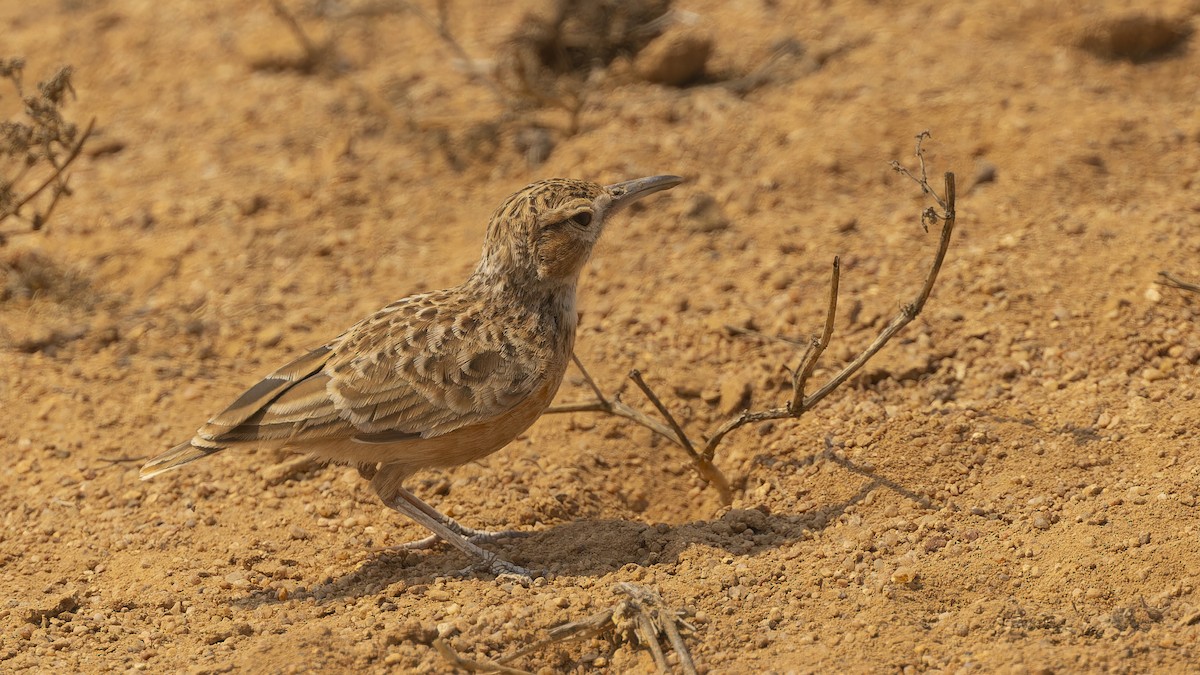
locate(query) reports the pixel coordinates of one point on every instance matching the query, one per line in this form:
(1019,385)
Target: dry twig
(800,403)
(1173,281)
(35,154)
(641,619)
(456,660)
(614,406)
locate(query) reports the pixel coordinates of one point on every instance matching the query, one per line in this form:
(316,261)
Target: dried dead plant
(36,149)
(642,618)
(549,62)
(316,56)
(702,455)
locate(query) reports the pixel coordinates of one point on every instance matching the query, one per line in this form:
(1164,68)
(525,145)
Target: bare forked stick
(614,406)
(799,403)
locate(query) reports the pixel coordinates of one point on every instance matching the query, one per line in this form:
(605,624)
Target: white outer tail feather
(184,453)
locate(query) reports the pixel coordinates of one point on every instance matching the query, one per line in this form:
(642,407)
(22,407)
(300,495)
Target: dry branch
(799,403)
(36,152)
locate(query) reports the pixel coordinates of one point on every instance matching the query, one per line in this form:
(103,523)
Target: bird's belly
(480,440)
(460,446)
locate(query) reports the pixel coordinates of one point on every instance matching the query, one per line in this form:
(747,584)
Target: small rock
(1136,37)
(675,57)
(219,635)
(536,144)
(735,396)
(286,470)
(66,603)
(1040,521)
(269,336)
(985,172)
(237,578)
(272,50)
(412,632)
(704,215)
(251,205)
(1153,375)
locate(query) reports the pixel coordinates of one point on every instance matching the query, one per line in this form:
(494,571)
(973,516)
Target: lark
(443,378)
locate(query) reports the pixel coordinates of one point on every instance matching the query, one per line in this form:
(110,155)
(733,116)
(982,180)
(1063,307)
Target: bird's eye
(582,219)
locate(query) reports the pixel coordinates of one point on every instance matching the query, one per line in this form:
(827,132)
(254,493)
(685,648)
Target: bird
(441,378)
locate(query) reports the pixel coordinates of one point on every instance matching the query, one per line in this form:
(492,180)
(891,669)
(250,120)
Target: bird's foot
(503,570)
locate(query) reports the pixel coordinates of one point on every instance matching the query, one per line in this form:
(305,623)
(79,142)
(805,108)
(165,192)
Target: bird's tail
(176,457)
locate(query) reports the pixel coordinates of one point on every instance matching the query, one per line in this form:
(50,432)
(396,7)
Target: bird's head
(545,232)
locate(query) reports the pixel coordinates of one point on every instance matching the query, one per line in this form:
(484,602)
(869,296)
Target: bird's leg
(472,535)
(445,528)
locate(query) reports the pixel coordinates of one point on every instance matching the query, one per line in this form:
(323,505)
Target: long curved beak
(628,192)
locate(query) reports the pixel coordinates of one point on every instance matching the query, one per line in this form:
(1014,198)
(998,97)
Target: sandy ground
(1011,486)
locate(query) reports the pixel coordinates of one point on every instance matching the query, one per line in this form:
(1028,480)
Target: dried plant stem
(1169,279)
(686,442)
(799,403)
(808,363)
(59,168)
(36,149)
(614,406)
(907,312)
(816,349)
(738,330)
(456,660)
(681,650)
(639,619)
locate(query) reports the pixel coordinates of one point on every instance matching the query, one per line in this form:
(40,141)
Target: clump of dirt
(1135,37)
(576,37)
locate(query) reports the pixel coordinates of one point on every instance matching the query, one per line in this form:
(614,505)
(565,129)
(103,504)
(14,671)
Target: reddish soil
(1010,486)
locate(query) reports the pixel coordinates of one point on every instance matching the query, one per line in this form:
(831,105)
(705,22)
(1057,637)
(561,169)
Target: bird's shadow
(595,547)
